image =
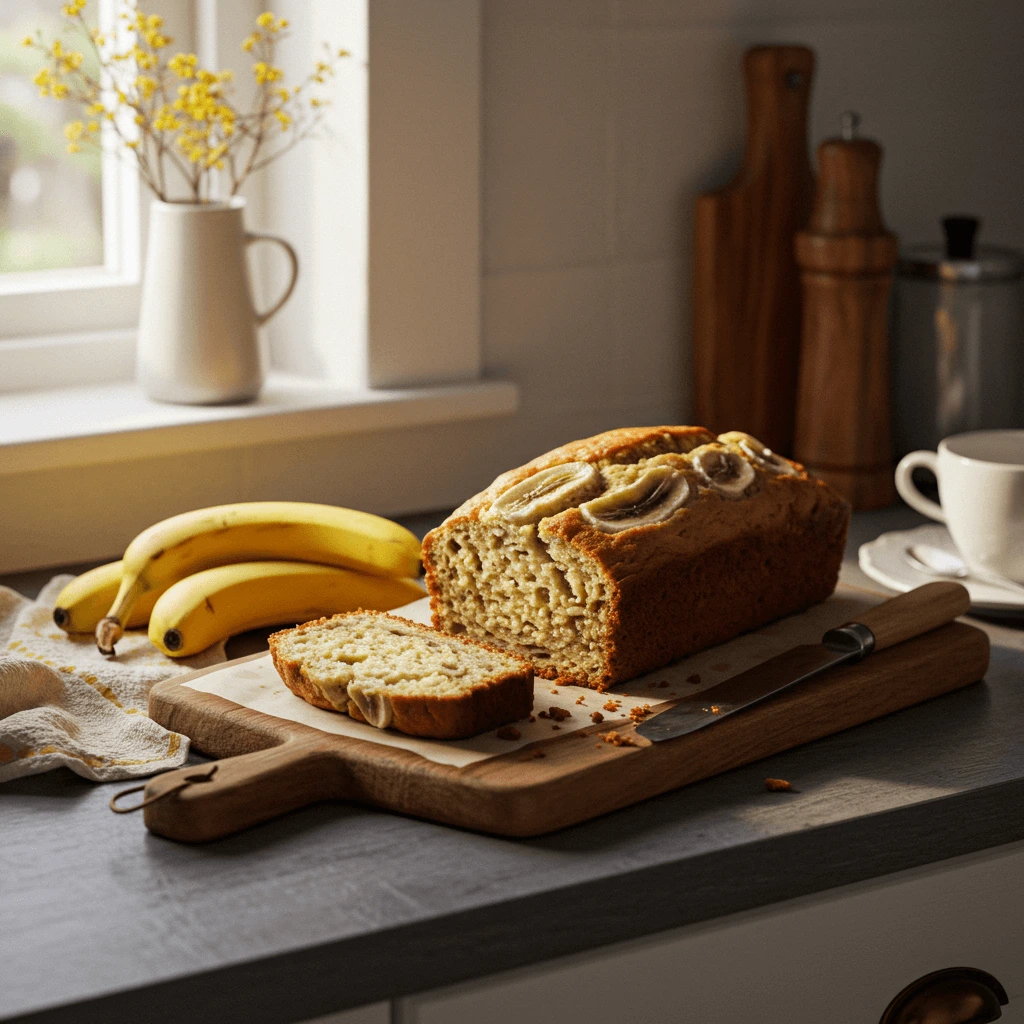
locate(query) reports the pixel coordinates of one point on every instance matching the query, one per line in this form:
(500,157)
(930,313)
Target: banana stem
(110,629)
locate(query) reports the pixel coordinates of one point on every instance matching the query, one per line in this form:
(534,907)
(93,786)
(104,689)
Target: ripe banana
(217,603)
(83,602)
(256,530)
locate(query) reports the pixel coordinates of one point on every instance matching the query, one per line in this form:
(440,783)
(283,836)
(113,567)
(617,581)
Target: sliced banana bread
(394,673)
(620,553)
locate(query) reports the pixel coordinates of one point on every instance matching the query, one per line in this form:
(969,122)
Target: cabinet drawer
(838,956)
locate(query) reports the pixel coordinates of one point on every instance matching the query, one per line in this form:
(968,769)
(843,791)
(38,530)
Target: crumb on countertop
(612,705)
(508,732)
(532,718)
(663,684)
(638,714)
(581,700)
(778,785)
(596,717)
(695,679)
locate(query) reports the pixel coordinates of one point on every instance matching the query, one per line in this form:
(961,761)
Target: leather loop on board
(189,780)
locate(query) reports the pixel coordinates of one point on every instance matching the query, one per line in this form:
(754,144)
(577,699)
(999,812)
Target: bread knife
(900,618)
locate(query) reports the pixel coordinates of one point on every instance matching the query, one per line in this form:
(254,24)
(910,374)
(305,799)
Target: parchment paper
(255,684)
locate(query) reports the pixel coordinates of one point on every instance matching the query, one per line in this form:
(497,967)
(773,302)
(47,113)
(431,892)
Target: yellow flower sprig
(170,111)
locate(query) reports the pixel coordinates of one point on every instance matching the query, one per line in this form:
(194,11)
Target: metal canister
(958,339)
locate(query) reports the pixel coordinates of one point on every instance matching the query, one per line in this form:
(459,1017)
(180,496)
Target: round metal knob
(956,995)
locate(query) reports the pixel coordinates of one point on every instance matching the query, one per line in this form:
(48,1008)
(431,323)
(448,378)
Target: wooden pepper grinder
(846,258)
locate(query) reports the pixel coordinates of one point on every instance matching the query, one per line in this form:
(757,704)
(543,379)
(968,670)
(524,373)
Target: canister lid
(990,263)
(960,259)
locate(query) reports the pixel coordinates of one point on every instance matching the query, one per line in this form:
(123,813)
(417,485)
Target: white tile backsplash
(546,156)
(603,119)
(581,13)
(554,331)
(652,363)
(678,126)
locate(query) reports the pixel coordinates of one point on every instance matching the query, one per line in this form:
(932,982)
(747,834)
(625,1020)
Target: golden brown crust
(715,569)
(492,703)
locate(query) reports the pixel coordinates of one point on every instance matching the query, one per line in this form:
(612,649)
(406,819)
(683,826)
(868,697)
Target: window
(51,202)
(69,224)
(389,287)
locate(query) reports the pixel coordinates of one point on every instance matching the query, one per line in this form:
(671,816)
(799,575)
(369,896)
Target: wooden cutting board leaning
(552,777)
(746,286)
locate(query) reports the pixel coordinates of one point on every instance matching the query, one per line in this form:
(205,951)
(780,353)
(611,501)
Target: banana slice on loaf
(394,673)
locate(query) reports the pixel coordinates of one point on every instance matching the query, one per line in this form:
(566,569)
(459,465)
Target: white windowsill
(115,422)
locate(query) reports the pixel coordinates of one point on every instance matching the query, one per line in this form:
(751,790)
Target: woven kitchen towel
(64,703)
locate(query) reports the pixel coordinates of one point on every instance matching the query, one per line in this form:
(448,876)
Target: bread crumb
(553,690)
(556,727)
(612,705)
(616,739)
(508,732)
(640,713)
(532,718)
(715,709)
(663,684)
(582,700)
(597,717)
(778,785)
(556,714)
(695,679)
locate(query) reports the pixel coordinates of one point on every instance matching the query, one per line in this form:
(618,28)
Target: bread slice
(617,554)
(393,673)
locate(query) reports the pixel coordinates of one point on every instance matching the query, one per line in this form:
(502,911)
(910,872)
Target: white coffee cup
(981,487)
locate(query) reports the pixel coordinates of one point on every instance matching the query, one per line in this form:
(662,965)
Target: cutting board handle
(198,803)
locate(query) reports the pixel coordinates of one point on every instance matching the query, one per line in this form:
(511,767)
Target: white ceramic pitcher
(197,328)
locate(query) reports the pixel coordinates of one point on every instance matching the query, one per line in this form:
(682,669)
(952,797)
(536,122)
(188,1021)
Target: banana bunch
(202,576)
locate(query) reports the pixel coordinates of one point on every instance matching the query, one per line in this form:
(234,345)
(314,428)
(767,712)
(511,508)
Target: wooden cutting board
(273,765)
(746,286)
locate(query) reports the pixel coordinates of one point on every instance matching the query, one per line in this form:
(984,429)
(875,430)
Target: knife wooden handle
(915,612)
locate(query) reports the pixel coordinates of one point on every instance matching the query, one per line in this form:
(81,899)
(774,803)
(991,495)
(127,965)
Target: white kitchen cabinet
(838,956)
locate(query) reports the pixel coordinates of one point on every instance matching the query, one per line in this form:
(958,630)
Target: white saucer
(885,561)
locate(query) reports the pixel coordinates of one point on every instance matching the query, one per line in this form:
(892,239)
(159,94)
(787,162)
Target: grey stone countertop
(339,905)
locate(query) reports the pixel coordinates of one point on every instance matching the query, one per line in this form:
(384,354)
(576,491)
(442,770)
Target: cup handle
(908,490)
(252,236)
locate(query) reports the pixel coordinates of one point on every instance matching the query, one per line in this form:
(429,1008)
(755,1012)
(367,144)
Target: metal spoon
(935,561)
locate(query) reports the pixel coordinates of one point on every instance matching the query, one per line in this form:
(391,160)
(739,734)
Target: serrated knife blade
(898,619)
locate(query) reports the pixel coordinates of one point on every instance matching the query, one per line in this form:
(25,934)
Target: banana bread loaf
(391,672)
(620,553)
